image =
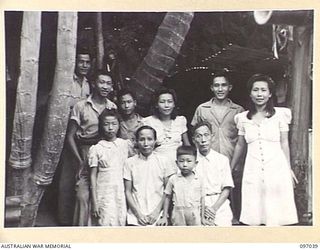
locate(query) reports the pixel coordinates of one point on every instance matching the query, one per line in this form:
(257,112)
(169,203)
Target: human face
(146,141)
(202,139)
(186,163)
(110,127)
(260,93)
(165,104)
(83,64)
(127,104)
(220,88)
(103,85)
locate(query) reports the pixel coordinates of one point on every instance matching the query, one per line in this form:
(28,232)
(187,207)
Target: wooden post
(99,41)
(56,121)
(161,55)
(300,98)
(25,109)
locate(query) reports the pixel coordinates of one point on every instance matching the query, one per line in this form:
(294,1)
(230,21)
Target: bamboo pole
(99,40)
(56,121)
(26,100)
(300,97)
(161,55)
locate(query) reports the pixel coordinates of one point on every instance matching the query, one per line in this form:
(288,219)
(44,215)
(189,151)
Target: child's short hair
(187,150)
(123,92)
(101,72)
(200,124)
(146,127)
(106,112)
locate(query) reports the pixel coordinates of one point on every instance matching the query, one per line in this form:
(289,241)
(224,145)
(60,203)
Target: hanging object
(291,17)
(281,34)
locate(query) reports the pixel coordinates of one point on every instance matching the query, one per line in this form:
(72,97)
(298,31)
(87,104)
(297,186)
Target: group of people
(128,170)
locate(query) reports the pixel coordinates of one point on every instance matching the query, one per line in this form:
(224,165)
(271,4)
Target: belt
(212,194)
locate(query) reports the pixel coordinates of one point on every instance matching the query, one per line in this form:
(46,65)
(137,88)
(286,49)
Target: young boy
(186,190)
(130,119)
(83,133)
(215,170)
(220,112)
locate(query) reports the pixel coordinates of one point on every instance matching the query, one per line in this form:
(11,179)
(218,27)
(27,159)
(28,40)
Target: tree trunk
(99,41)
(161,55)
(25,109)
(300,97)
(56,121)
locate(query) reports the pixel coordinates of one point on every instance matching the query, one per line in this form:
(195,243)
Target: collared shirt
(225,131)
(79,90)
(86,115)
(215,171)
(126,132)
(148,181)
(187,192)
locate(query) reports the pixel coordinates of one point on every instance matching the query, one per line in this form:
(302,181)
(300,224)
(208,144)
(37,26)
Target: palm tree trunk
(161,55)
(56,121)
(25,109)
(99,40)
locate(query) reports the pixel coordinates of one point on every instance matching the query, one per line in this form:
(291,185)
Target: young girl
(267,184)
(106,160)
(171,129)
(145,177)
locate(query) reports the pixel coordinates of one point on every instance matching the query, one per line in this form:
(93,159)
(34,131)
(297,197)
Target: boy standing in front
(186,190)
(220,112)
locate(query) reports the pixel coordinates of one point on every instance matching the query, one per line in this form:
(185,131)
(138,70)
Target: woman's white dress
(267,188)
(109,157)
(168,138)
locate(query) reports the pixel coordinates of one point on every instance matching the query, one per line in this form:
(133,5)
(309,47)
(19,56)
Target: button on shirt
(215,171)
(186,192)
(225,132)
(86,115)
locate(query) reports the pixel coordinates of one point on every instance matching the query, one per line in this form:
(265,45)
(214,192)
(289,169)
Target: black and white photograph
(159,119)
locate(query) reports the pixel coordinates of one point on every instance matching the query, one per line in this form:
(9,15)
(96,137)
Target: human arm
(142,219)
(285,148)
(210,212)
(238,152)
(93,191)
(154,215)
(204,221)
(185,139)
(164,219)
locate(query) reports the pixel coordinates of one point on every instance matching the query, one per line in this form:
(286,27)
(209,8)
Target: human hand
(94,210)
(163,221)
(207,222)
(142,219)
(153,217)
(209,213)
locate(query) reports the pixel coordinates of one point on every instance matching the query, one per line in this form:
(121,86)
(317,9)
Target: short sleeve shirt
(86,115)
(169,138)
(224,132)
(186,193)
(215,171)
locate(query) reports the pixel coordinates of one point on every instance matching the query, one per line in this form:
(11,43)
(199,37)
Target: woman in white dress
(268,181)
(171,129)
